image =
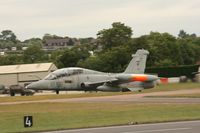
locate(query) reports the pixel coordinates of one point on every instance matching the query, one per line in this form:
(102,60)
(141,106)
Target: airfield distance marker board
(28,121)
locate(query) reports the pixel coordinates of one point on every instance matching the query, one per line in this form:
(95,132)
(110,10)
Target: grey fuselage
(74,78)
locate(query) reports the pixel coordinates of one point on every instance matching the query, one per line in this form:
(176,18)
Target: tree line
(112,50)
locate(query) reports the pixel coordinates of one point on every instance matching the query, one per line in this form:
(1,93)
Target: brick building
(53,44)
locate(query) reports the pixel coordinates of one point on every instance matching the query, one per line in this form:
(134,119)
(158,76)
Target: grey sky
(84,18)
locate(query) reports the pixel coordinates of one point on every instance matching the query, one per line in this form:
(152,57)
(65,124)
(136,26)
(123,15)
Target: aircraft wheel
(125,89)
(12,94)
(57,92)
(83,85)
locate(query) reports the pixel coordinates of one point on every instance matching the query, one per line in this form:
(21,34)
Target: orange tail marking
(139,78)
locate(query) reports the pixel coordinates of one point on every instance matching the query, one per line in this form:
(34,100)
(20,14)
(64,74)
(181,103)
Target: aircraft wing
(95,84)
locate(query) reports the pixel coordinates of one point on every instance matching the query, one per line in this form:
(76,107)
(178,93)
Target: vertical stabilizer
(138,63)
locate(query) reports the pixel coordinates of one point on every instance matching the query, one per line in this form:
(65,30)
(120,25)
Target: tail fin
(138,63)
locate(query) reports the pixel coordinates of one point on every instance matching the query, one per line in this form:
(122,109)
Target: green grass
(51,116)
(174,86)
(162,87)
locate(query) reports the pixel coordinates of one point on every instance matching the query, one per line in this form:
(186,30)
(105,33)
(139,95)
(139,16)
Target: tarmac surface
(170,127)
(153,97)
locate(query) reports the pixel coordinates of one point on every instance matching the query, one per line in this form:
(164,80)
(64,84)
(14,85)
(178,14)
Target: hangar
(24,73)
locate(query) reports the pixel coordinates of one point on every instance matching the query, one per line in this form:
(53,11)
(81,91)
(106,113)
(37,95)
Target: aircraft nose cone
(41,84)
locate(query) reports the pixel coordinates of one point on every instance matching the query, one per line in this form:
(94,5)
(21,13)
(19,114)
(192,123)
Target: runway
(134,98)
(170,127)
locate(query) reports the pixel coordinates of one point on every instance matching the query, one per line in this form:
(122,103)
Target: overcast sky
(84,18)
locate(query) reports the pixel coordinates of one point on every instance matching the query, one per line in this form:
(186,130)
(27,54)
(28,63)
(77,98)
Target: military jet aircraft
(80,79)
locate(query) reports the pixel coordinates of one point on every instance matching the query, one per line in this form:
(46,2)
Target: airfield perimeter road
(135,98)
(170,127)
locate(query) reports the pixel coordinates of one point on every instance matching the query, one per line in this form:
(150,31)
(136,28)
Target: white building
(14,48)
(24,48)
(2,53)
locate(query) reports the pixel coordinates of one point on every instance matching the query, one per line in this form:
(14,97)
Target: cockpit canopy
(63,73)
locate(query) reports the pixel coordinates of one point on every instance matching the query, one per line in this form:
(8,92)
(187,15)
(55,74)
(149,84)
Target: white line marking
(159,130)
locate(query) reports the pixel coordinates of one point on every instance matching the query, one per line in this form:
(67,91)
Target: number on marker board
(28,121)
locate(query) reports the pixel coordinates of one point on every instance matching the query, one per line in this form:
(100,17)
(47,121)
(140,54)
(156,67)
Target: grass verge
(174,86)
(51,116)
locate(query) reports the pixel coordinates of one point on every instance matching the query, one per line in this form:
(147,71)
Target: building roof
(24,68)
(57,40)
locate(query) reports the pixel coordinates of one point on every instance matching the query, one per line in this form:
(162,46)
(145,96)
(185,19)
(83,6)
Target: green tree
(161,46)
(189,50)
(114,60)
(182,34)
(118,35)
(71,57)
(71,42)
(92,62)
(33,54)
(55,57)
(34,41)
(11,59)
(165,63)
(8,35)
(49,36)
